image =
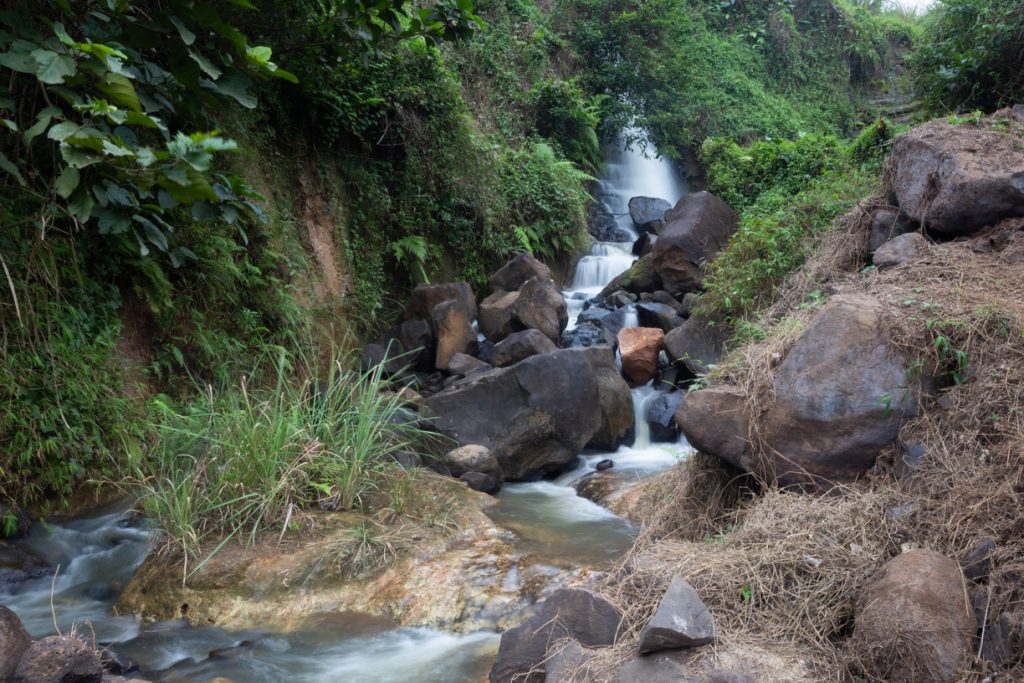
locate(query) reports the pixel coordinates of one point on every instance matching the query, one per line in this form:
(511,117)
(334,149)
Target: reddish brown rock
(639,348)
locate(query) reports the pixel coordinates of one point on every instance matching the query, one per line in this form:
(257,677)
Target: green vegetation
(240,460)
(970,56)
(788,194)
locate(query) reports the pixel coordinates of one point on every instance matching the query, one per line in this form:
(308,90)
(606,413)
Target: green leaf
(121,91)
(187,36)
(18,61)
(208,67)
(234,85)
(81,204)
(155,236)
(43,120)
(62,131)
(67,182)
(114,222)
(6,165)
(9,125)
(53,68)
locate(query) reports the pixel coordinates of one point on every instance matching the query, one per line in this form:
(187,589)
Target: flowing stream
(97,555)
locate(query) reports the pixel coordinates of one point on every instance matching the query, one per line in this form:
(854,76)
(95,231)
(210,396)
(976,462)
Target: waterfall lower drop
(549,518)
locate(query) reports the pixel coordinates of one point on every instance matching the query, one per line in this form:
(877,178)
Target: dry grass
(783,570)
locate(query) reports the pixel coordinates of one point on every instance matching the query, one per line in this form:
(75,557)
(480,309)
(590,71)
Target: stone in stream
(616,401)
(535,416)
(605,464)
(639,348)
(660,413)
(913,622)
(696,230)
(520,345)
(604,228)
(536,305)
(955,179)
(682,620)
(14,641)
(648,213)
(643,244)
(515,273)
(900,250)
(59,659)
(454,332)
(567,613)
(425,298)
(620,299)
(656,314)
(482,482)
(698,343)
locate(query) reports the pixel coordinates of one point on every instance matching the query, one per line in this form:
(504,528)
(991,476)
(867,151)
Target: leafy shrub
(970,55)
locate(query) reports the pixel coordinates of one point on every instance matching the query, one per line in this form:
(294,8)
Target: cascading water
(549,518)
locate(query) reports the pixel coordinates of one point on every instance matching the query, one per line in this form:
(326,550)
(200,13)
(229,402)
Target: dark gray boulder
(540,306)
(615,400)
(14,641)
(515,273)
(641,277)
(886,224)
(462,364)
(425,297)
(643,244)
(59,659)
(648,213)
(682,620)
(604,228)
(715,421)
(535,416)
(655,314)
(572,613)
(472,458)
(660,413)
(698,343)
(696,230)
(482,482)
(956,179)
(413,341)
(520,345)
(900,250)
(497,315)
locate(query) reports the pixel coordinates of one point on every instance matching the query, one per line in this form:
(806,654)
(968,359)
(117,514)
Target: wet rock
(604,228)
(698,344)
(977,562)
(696,230)
(605,464)
(425,298)
(14,641)
(659,315)
(535,416)
(900,250)
(472,458)
(462,365)
(232,652)
(59,659)
(520,269)
(691,300)
(482,482)
(454,330)
(639,348)
(715,421)
(912,621)
(117,663)
(956,178)
(620,299)
(567,613)
(595,486)
(661,416)
(614,398)
(484,350)
(520,345)
(587,335)
(15,522)
(648,213)
(885,225)
(641,277)
(841,395)
(412,341)
(643,244)
(682,620)
(663,297)
(608,319)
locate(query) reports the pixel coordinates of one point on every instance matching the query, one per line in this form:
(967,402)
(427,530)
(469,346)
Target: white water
(549,518)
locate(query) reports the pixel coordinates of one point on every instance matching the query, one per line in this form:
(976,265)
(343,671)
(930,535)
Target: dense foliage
(971,55)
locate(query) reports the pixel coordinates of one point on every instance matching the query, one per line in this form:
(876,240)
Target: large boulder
(59,659)
(639,348)
(841,395)
(648,213)
(534,416)
(411,343)
(698,344)
(517,271)
(520,345)
(603,227)
(641,277)
(682,620)
(913,621)
(537,305)
(425,297)
(454,332)
(616,401)
(573,613)
(472,458)
(956,178)
(660,413)
(14,640)
(658,314)
(696,230)
(715,421)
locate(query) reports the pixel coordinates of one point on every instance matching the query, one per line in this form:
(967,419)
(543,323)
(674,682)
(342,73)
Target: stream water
(97,555)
